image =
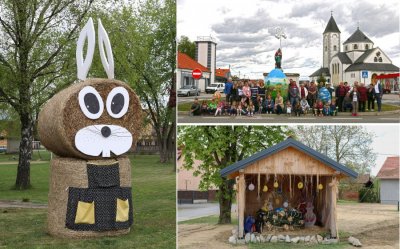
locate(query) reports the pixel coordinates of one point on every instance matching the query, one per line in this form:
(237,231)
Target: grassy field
(153,199)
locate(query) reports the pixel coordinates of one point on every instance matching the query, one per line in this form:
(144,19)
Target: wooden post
(241,202)
(333,215)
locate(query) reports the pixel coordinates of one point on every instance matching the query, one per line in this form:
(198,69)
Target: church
(360,60)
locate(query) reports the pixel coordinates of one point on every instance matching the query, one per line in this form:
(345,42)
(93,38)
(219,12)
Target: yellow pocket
(122,210)
(85,213)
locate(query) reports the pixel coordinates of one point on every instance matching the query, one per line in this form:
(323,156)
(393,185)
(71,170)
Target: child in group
(220,107)
(288,108)
(269,104)
(318,108)
(260,105)
(326,111)
(233,109)
(355,96)
(244,109)
(250,109)
(239,109)
(333,108)
(212,107)
(297,109)
(204,109)
(305,107)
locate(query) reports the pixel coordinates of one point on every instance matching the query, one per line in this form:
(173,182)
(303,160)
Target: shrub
(369,195)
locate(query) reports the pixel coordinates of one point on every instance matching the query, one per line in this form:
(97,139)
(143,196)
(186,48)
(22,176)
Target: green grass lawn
(153,188)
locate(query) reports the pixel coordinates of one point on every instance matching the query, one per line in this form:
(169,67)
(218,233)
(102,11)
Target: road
(193,211)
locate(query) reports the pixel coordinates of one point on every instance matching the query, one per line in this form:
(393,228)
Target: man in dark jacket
(363,97)
(340,94)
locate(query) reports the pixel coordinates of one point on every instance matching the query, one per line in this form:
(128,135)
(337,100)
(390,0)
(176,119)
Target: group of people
(247,99)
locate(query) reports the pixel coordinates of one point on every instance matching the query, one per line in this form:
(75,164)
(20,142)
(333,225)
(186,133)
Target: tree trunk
(25,152)
(163,149)
(225,196)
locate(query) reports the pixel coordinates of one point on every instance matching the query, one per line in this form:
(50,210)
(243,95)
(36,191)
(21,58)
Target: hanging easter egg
(265,189)
(300,185)
(285,204)
(251,187)
(276,184)
(320,186)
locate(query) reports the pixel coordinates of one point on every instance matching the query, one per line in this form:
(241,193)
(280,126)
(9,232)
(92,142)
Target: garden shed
(288,185)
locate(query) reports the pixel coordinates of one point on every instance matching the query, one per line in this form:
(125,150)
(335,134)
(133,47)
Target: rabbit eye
(90,102)
(117,102)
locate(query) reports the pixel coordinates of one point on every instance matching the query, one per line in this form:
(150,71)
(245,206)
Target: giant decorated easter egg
(324,95)
(275,82)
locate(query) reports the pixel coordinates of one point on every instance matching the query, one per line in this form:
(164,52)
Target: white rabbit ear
(108,63)
(84,65)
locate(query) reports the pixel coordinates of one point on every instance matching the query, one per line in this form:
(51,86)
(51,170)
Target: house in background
(389,177)
(188,185)
(184,73)
(222,74)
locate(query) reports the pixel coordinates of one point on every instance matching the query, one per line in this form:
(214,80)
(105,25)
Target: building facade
(184,73)
(389,181)
(206,51)
(359,61)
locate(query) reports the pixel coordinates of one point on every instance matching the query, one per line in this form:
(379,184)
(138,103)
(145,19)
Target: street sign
(364,74)
(196,73)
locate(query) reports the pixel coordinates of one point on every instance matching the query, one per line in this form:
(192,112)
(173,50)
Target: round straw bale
(71,172)
(61,117)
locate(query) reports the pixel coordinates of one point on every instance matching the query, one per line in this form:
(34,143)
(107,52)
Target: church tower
(331,42)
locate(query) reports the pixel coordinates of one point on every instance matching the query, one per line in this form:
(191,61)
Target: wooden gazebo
(284,177)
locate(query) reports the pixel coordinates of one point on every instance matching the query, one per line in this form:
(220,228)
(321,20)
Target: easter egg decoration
(300,185)
(320,186)
(251,186)
(276,185)
(265,189)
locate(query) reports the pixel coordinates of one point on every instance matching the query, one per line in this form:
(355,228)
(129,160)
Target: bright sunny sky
(244,30)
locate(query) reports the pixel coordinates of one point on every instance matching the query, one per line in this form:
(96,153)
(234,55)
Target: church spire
(331,26)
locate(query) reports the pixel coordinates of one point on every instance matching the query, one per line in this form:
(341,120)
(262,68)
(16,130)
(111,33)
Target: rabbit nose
(105,131)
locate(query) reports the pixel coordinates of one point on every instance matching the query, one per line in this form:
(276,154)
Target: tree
(349,145)
(220,146)
(187,47)
(35,47)
(145,55)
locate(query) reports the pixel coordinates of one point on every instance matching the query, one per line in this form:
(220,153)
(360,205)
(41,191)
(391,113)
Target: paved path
(20,204)
(193,211)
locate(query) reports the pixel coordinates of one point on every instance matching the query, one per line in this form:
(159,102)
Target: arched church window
(334,48)
(345,48)
(380,59)
(375,59)
(355,46)
(366,46)
(326,48)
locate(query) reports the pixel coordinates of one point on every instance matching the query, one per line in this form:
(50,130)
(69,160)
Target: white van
(217,86)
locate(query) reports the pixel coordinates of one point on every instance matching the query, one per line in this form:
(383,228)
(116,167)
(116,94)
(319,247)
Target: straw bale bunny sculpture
(89,126)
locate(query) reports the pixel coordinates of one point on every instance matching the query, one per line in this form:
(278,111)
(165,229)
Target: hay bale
(70,172)
(61,117)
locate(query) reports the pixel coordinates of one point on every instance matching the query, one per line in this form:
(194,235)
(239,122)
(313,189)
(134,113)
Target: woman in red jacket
(363,91)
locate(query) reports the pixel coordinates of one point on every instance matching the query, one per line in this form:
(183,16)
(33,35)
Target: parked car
(3,149)
(215,87)
(189,90)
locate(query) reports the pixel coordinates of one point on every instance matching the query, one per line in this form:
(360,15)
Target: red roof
(185,62)
(222,72)
(390,168)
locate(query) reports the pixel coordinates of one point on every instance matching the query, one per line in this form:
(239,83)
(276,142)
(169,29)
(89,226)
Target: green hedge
(369,195)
